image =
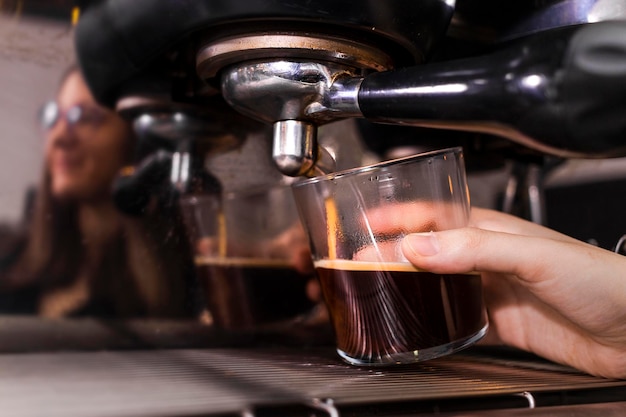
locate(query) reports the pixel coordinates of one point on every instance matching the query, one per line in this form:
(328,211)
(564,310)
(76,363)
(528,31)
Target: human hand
(546,293)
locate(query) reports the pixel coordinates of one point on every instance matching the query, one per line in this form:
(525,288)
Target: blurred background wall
(35,47)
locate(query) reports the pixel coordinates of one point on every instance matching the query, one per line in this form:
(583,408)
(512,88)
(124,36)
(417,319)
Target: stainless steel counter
(182,369)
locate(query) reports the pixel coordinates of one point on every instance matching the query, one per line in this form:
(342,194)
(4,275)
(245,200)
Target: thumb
(469,249)
(556,271)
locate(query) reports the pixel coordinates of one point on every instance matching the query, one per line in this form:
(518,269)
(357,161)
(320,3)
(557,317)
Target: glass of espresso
(383,309)
(252,257)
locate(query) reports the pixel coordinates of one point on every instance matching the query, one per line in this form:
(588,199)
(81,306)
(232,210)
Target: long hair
(147,267)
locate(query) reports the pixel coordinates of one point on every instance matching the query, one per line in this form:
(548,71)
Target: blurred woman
(79,255)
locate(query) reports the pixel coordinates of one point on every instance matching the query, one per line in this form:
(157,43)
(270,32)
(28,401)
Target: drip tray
(283,381)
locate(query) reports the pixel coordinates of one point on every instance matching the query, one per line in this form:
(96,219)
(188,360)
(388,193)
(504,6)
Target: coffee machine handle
(134,188)
(561,92)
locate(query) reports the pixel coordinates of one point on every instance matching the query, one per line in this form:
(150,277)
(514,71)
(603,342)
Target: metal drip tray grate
(188,382)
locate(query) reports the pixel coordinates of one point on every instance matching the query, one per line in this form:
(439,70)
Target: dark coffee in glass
(248,246)
(386,312)
(243,293)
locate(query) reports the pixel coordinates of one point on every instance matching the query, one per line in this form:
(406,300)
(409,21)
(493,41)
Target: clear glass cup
(251,256)
(383,309)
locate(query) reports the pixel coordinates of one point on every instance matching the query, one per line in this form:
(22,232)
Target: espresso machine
(547,75)
(529,80)
(533,82)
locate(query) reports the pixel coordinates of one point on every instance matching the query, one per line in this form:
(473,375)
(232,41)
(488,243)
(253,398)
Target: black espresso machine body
(164,58)
(546,75)
(116,40)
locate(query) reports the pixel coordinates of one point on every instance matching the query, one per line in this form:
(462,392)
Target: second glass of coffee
(252,258)
(384,310)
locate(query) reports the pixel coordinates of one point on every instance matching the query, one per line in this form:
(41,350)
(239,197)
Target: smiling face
(84,155)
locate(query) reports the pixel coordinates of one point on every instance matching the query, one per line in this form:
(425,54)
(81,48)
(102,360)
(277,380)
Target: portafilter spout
(296,97)
(307,81)
(560,92)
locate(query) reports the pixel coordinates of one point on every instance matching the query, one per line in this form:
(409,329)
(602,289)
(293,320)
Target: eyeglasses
(79,115)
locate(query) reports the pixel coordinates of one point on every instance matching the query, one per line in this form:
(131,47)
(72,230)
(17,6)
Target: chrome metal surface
(185,382)
(611,409)
(486,21)
(291,90)
(325,163)
(295,97)
(295,150)
(294,147)
(216,55)
(180,174)
(220,128)
(567,12)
